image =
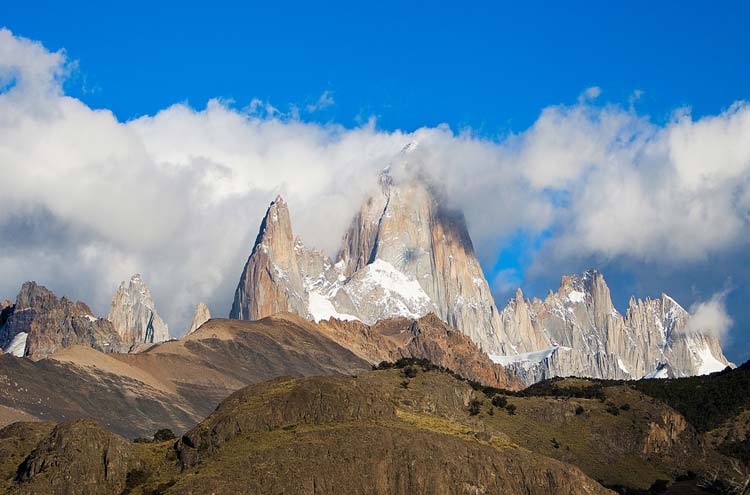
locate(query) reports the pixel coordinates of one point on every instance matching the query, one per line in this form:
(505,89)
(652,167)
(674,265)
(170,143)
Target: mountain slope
(414,429)
(171,385)
(175,383)
(426,338)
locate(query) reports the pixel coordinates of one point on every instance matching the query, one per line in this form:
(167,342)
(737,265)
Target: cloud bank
(87,200)
(710,317)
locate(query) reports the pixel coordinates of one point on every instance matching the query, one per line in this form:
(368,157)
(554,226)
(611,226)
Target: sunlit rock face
(201,316)
(133,314)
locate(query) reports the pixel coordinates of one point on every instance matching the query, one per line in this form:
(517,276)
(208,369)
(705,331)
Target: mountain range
(387,369)
(406,254)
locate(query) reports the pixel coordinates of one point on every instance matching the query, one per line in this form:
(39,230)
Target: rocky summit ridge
(406,254)
(39,324)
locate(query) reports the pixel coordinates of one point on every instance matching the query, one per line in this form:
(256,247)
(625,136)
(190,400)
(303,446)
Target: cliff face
(133,314)
(39,324)
(577,331)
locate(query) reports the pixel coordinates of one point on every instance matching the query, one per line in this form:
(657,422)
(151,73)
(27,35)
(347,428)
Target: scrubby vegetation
(160,436)
(475,407)
(705,401)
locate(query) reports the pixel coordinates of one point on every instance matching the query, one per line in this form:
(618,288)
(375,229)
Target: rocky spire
(134,316)
(201,316)
(407,227)
(271,282)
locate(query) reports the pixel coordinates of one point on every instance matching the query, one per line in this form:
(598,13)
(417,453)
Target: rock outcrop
(577,331)
(201,316)
(39,324)
(79,457)
(133,314)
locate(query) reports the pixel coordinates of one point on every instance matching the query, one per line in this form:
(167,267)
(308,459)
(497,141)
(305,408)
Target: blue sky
(489,67)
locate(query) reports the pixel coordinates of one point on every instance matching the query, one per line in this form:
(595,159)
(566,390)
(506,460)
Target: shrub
(410,372)
(555,443)
(405,384)
(475,406)
(511,409)
(579,410)
(163,435)
(612,409)
(625,407)
(499,401)
(491,411)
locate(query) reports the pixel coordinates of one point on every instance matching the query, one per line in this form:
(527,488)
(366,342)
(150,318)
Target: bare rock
(201,316)
(133,314)
(40,324)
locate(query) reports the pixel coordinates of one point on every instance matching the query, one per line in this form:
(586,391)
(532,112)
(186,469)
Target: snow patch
(383,274)
(321,308)
(622,366)
(17,346)
(709,364)
(661,372)
(576,296)
(526,360)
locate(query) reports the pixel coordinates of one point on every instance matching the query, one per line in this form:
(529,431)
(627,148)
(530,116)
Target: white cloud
(178,196)
(710,317)
(324,101)
(590,94)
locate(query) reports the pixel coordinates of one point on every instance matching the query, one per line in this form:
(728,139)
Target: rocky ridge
(40,324)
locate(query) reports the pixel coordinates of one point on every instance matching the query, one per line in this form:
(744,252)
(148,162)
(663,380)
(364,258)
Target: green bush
(475,406)
(579,410)
(499,401)
(511,409)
